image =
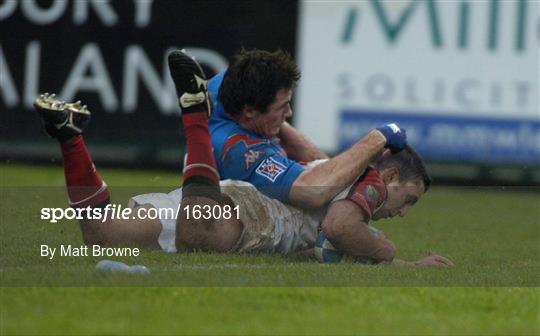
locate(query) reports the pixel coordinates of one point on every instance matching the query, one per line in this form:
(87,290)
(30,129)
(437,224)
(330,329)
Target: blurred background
(461,76)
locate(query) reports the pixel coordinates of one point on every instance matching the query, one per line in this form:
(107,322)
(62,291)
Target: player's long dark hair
(410,164)
(254,78)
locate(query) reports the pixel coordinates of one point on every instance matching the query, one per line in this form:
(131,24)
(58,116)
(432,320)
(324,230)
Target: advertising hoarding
(460,76)
(112,56)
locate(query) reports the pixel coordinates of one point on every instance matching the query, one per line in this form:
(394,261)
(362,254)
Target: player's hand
(396,137)
(434,260)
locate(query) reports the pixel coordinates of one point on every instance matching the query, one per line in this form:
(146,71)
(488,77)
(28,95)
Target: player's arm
(345,226)
(297,146)
(316,187)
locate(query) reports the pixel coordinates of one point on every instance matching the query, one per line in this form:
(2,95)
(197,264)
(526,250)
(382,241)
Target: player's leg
(201,178)
(66,122)
(138,231)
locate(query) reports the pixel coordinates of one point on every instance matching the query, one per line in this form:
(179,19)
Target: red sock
(199,159)
(85,187)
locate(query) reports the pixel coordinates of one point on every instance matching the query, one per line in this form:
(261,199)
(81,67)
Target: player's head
(406,180)
(257,89)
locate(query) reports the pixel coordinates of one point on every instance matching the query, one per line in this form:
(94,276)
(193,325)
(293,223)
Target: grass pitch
(491,234)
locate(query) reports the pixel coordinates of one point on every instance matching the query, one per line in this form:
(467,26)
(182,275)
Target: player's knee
(194,232)
(192,215)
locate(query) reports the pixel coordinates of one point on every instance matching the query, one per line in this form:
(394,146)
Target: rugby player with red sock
(66,122)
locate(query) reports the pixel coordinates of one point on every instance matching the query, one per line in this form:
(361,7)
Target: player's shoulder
(221,129)
(215,82)
(243,149)
(368,191)
(219,115)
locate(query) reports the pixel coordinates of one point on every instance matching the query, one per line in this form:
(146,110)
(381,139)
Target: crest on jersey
(270,169)
(250,157)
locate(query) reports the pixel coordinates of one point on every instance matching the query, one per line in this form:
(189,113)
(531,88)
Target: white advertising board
(461,76)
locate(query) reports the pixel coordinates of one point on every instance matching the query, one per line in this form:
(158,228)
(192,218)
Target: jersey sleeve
(260,163)
(368,192)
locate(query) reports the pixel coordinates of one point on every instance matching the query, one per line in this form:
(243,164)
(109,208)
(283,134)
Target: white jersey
(269,225)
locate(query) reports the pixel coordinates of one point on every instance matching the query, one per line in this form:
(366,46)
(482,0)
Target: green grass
(492,235)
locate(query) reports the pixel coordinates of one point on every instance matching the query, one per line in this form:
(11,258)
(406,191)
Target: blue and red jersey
(243,155)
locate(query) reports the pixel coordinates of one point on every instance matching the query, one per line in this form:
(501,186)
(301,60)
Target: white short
(269,225)
(171,200)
